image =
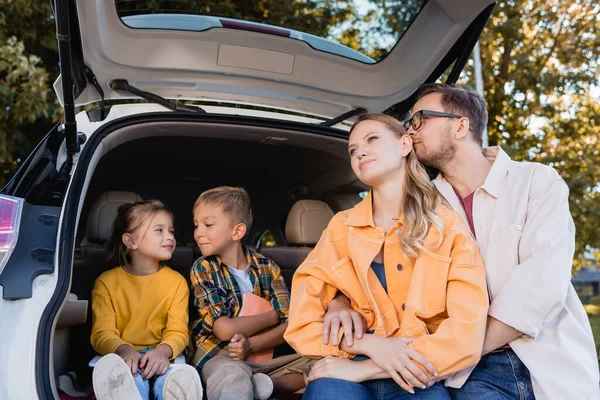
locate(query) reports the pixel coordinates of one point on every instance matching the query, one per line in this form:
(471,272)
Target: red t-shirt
(467,205)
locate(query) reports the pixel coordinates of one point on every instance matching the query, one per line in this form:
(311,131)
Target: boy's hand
(156,361)
(239,347)
(131,357)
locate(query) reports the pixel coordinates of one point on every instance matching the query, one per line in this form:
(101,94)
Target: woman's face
(376,153)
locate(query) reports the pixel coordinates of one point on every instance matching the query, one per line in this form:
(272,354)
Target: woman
(409,266)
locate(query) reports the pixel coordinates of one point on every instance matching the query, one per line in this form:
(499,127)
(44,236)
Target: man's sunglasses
(416,121)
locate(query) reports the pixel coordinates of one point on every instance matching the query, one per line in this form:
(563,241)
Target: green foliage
(28,64)
(540,72)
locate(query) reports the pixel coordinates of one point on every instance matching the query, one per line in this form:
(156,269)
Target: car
(229,101)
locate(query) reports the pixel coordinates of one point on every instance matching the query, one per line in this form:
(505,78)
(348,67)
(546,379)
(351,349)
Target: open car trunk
(161,157)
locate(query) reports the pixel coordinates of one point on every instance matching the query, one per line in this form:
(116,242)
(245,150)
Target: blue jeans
(380,389)
(156,383)
(499,375)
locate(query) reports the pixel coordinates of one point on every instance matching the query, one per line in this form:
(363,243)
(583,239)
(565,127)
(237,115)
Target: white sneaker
(112,380)
(182,383)
(263,386)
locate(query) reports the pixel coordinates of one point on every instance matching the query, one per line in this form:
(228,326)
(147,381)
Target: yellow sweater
(142,311)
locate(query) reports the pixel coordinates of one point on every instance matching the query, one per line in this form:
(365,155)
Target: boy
(221,339)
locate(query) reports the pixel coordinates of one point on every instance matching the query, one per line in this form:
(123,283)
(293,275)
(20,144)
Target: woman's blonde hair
(421,198)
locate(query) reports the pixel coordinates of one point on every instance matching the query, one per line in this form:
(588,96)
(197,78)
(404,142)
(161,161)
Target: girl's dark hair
(130,218)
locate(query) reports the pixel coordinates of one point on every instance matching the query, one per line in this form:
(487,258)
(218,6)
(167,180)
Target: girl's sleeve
(176,334)
(105,336)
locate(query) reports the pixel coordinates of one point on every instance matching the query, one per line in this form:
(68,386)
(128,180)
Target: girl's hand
(395,356)
(239,347)
(340,313)
(335,367)
(131,357)
(156,361)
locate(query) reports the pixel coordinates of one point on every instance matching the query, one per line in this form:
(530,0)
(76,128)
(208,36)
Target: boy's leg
(289,383)
(499,375)
(335,389)
(112,379)
(288,372)
(227,379)
(180,382)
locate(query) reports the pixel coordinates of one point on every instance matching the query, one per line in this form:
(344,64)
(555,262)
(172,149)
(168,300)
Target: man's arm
(497,334)
(224,327)
(537,287)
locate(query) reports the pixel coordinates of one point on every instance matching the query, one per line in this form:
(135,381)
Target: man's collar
(495,178)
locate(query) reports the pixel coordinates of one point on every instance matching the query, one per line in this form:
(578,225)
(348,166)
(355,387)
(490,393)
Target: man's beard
(440,157)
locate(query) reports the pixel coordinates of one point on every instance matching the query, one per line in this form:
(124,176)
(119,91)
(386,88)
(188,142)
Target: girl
(409,266)
(140,312)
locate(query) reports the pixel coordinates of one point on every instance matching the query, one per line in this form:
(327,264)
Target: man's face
(433,141)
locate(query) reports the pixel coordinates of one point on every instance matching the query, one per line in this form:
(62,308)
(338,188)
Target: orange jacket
(441,298)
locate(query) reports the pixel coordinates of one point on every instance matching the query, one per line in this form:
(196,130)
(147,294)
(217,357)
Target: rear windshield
(363,30)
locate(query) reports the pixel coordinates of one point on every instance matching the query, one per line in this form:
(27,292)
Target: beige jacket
(526,236)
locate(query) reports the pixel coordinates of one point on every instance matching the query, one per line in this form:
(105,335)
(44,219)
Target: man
(538,334)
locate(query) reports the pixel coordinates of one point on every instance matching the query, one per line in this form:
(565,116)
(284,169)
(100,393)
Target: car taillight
(10,217)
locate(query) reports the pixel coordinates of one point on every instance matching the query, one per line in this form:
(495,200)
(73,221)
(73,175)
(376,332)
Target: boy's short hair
(234,201)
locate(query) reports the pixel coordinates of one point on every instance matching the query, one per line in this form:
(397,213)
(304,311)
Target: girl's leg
(334,389)
(181,381)
(113,380)
(142,385)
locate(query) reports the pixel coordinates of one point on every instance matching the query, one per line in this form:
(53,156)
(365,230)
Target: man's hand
(239,347)
(156,361)
(339,313)
(131,357)
(396,357)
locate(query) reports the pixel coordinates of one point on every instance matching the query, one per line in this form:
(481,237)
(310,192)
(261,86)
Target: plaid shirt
(217,294)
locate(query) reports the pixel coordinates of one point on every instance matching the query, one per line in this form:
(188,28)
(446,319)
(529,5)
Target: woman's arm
(343,368)
(458,341)
(307,312)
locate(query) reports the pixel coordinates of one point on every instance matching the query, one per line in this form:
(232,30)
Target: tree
(540,70)
(28,64)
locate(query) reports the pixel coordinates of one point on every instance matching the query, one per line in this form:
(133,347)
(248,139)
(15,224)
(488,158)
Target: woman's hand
(156,361)
(396,357)
(339,368)
(340,313)
(131,357)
